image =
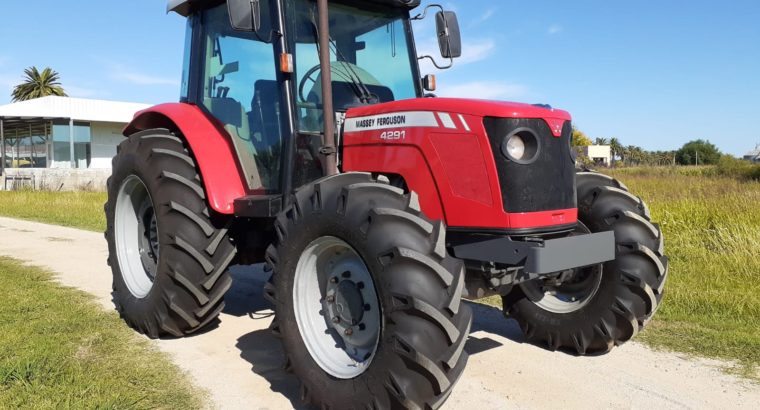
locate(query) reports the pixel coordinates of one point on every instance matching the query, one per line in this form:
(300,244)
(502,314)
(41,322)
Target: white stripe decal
(466,126)
(394,120)
(447,121)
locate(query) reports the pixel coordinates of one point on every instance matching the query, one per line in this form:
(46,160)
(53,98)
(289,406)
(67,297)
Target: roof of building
(78,109)
(755,153)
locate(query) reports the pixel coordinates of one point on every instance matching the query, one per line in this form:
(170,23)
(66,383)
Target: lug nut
(334,279)
(336,320)
(349,331)
(330,299)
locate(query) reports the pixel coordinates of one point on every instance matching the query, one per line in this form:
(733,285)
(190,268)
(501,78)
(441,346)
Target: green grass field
(76,209)
(59,350)
(712,232)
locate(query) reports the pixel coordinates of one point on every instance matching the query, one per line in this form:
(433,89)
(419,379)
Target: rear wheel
(590,310)
(367,301)
(168,253)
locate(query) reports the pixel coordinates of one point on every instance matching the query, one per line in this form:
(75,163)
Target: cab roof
(186,7)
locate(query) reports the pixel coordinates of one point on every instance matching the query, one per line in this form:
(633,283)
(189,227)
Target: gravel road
(239,362)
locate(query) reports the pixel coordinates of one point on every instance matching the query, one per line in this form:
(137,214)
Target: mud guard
(211,145)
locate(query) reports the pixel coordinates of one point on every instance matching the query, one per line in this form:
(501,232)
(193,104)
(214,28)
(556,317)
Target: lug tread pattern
(345,196)
(195,254)
(638,273)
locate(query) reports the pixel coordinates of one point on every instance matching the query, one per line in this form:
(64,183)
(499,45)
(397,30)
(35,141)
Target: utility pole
(697,152)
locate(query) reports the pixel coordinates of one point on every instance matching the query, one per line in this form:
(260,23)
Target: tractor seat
(235,119)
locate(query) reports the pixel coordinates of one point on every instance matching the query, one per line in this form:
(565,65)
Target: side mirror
(245,15)
(449,37)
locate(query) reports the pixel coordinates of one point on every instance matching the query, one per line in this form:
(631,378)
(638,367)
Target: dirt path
(239,362)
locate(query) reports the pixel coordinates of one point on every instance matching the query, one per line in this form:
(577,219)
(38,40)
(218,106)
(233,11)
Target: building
(598,154)
(754,155)
(60,142)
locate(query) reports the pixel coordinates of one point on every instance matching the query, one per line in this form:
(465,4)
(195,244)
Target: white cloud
(483,18)
(485,90)
(121,73)
(554,29)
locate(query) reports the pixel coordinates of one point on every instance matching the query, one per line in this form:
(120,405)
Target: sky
(652,73)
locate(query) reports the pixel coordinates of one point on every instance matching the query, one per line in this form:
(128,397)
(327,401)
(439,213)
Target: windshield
(370,53)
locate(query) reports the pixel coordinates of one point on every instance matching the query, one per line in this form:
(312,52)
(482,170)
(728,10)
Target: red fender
(211,145)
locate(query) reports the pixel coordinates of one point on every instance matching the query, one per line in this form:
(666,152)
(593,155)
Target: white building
(61,142)
(754,155)
(599,154)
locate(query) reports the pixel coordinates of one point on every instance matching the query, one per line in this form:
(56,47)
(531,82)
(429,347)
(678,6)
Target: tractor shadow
(264,351)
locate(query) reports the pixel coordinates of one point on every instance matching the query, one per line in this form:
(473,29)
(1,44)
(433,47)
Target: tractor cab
(255,67)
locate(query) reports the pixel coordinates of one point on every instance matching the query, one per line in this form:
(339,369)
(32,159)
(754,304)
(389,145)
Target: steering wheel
(306,78)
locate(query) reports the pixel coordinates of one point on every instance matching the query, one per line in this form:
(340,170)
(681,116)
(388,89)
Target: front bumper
(540,257)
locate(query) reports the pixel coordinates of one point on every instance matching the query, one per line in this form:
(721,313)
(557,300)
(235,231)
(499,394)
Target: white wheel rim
(567,297)
(136,240)
(331,282)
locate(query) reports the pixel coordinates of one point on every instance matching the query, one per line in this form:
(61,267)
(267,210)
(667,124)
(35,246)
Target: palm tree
(617,149)
(601,141)
(38,84)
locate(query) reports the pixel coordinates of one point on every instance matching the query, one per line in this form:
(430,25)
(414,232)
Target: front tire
(606,305)
(415,323)
(168,252)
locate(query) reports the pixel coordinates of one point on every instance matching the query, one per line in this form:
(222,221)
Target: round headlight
(521,146)
(516,147)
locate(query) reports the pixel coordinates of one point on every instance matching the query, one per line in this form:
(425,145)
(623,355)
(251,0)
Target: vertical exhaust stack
(329,149)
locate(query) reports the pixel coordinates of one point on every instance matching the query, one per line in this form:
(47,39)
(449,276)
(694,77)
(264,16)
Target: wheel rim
(570,291)
(136,236)
(337,308)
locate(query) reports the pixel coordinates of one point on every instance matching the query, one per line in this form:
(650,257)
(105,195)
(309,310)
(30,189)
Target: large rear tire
(351,232)
(606,305)
(168,252)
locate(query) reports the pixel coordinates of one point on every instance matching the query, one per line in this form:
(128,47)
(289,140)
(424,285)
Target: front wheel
(590,310)
(367,300)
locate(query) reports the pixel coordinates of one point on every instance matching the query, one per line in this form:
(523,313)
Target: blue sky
(652,73)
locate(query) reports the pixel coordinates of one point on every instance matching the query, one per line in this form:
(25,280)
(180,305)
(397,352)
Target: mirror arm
(435,63)
(424,13)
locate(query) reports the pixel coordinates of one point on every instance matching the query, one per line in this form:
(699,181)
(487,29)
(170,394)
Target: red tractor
(305,138)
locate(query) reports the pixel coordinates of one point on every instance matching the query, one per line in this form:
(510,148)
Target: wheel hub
(343,332)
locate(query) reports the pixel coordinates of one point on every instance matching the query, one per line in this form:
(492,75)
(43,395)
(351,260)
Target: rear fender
(210,144)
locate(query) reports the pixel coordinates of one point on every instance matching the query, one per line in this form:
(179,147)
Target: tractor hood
(479,108)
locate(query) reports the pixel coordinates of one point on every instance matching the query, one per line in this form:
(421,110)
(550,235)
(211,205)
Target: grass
(58,349)
(711,226)
(75,209)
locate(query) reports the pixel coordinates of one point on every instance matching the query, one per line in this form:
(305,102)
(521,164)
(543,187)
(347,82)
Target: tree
(38,84)
(580,139)
(617,149)
(698,152)
(601,141)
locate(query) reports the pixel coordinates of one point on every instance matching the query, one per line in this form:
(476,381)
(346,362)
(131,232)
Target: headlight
(521,146)
(515,147)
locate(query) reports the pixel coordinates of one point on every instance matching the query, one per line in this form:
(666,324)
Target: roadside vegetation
(709,216)
(82,210)
(58,349)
